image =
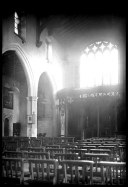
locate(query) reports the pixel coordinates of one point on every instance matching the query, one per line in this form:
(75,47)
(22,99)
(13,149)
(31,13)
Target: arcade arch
(25,64)
(26,93)
(45,106)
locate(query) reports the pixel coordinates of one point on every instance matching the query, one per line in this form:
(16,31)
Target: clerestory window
(16,23)
(20,25)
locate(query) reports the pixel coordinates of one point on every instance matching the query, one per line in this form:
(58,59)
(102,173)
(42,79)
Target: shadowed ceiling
(71,27)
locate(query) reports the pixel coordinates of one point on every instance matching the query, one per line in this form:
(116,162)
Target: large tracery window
(99,65)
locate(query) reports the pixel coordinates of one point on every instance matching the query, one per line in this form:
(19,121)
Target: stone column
(85,133)
(32,112)
(66,118)
(57,119)
(62,120)
(98,125)
(81,127)
(116,129)
(82,123)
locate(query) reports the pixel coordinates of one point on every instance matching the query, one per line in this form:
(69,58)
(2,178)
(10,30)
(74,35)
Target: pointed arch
(26,66)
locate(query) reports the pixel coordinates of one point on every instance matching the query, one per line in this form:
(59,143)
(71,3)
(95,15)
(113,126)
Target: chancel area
(63,99)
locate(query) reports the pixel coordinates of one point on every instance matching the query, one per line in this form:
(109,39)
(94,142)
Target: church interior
(63,99)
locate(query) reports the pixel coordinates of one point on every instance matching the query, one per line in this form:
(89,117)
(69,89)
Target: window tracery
(99,65)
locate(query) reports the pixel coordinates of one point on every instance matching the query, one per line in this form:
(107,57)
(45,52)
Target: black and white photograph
(63,98)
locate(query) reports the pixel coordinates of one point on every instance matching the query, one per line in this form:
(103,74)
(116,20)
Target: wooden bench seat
(94,144)
(68,146)
(12,170)
(95,157)
(108,151)
(26,154)
(110,144)
(76,172)
(24,143)
(36,149)
(66,156)
(52,146)
(11,145)
(52,151)
(112,148)
(13,154)
(113,172)
(42,170)
(38,155)
(79,151)
(88,147)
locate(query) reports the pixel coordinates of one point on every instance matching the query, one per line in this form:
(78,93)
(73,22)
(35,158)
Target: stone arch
(45,105)
(26,66)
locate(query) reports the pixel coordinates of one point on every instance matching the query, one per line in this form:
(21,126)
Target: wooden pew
(79,151)
(76,172)
(122,153)
(52,146)
(36,149)
(122,144)
(11,145)
(112,148)
(109,139)
(71,144)
(95,157)
(113,172)
(26,154)
(110,144)
(47,141)
(66,156)
(38,155)
(54,150)
(59,140)
(84,142)
(108,151)
(12,170)
(71,139)
(66,146)
(42,171)
(35,142)
(24,143)
(13,154)
(94,144)
(88,147)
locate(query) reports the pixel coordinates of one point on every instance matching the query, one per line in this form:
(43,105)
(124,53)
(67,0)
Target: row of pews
(64,160)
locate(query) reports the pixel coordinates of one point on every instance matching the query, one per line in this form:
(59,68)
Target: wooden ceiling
(67,28)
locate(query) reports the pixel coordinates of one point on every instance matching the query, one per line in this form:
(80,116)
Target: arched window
(99,65)
(16,23)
